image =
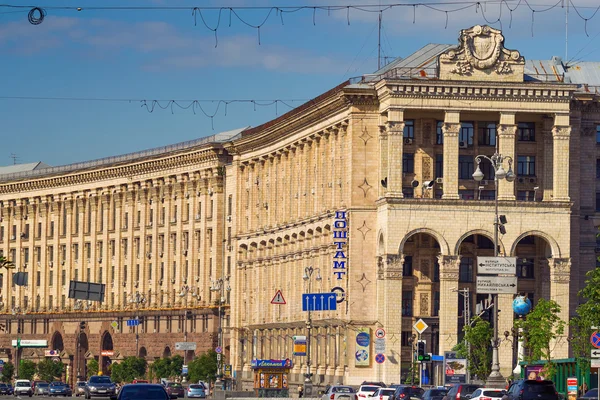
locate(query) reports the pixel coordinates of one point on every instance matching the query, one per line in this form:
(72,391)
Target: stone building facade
(336,184)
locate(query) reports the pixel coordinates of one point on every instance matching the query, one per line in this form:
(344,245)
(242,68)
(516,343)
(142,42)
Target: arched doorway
(106,352)
(167,352)
(57,342)
(533,273)
(82,349)
(143,352)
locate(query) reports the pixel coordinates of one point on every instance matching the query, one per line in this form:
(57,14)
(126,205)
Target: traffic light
(82,325)
(421,353)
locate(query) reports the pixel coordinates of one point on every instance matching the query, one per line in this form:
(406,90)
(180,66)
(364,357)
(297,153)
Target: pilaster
(548,165)
(561,135)
(560,277)
(449,270)
(390,271)
(506,143)
(450,129)
(395,152)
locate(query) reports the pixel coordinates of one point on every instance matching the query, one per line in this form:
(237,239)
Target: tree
(7,372)
(6,263)
(26,369)
(167,367)
(92,367)
(479,335)
(129,369)
(203,368)
(541,327)
(48,370)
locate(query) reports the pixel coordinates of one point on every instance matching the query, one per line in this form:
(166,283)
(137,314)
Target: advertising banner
(362,356)
(287,363)
(456,368)
(572,388)
(534,372)
(300,347)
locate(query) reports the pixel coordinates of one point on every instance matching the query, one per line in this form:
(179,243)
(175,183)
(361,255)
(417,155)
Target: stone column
(560,277)
(449,267)
(451,128)
(561,134)
(506,144)
(394,152)
(505,323)
(383,158)
(392,314)
(548,172)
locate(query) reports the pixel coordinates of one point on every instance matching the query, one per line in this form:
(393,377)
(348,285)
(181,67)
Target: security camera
(428,184)
(414,183)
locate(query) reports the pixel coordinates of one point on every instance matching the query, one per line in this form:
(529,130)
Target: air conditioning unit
(149,254)
(521,180)
(439,180)
(161,254)
(13,237)
(229,248)
(187,195)
(62,262)
(160,281)
(197,216)
(136,284)
(39,263)
(173,281)
(229,218)
(197,279)
(463,145)
(533,180)
(408,140)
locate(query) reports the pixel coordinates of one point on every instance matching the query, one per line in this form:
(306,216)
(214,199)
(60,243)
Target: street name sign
(595,363)
(133,322)
(497,265)
(319,302)
(29,343)
(185,346)
(497,284)
(595,353)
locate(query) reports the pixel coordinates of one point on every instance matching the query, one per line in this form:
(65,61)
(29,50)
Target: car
(384,394)
(589,395)
(23,387)
(488,394)
(41,389)
(58,388)
(196,390)
(5,388)
(136,381)
(35,383)
(366,391)
(100,386)
(380,384)
(340,392)
(528,389)
(80,388)
(435,394)
(461,391)
(145,391)
(175,389)
(405,392)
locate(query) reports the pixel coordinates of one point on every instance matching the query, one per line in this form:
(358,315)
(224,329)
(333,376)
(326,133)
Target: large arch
(57,342)
(167,352)
(444,249)
(482,232)
(82,349)
(554,248)
(106,344)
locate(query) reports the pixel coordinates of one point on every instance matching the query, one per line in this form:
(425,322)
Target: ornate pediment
(481,56)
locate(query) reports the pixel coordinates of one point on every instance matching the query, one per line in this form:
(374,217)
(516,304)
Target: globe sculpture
(521,305)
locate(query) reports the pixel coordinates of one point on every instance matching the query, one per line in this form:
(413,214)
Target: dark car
(5,389)
(531,390)
(434,394)
(175,389)
(100,386)
(408,392)
(145,391)
(461,391)
(59,389)
(589,395)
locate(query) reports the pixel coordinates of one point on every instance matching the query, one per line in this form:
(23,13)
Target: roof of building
(11,169)
(221,137)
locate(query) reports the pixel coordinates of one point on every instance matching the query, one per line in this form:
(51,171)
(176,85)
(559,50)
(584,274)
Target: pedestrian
(300,391)
(583,389)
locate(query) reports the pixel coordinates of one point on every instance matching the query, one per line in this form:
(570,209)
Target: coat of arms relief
(481,55)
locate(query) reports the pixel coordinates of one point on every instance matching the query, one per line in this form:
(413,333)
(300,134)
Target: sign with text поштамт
(340,240)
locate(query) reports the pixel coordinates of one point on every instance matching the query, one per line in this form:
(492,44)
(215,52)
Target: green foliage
(479,335)
(203,368)
(7,372)
(128,370)
(6,263)
(48,370)
(92,367)
(26,369)
(540,328)
(169,367)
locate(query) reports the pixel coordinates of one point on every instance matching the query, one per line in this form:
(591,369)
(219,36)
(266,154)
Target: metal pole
(308,329)
(495,373)
(420,364)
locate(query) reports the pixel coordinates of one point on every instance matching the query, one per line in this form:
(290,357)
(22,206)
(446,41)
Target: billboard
(300,346)
(86,291)
(362,355)
(455,368)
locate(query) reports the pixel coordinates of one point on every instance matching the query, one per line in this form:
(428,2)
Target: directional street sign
(496,284)
(420,326)
(380,333)
(278,298)
(319,302)
(133,322)
(595,353)
(497,265)
(185,346)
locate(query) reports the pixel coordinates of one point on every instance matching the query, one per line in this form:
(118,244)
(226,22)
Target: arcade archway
(106,352)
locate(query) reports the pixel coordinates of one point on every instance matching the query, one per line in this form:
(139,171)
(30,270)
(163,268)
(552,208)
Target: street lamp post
(307,277)
(220,285)
(137,298)
(496,160)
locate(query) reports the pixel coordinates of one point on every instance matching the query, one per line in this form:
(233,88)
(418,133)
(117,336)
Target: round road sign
(380,333)
(380,358)
(218,350)
(595,339)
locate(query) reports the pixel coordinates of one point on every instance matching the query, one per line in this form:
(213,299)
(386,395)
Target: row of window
(486,132)
(466,166)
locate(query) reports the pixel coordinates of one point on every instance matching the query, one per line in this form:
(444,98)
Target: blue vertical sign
(319,302)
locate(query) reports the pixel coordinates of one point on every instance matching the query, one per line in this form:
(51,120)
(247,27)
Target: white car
(383,394)
(23,388)
(488,394)
(366,391)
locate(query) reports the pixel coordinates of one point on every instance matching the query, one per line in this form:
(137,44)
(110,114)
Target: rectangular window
(525,195)
(597,201)
(407,303)
(1,233)
(112,273)
(149,271)
(38,278)
(76,274)
(63,302)
(63,277)
(597,134)
(526,132)
(439,165)
(137,272)
(408,163)
(88,250)
(409,129)
(465,272)
(50,301)
(38,254)
(125,273)
(598,168)
(139,219)
(76,217)
(199,213)
(436,304)
(439,133)
(465,136)
(174,213)
(51,233)
(26,255)
(526,166)
(76,252)
(436,270)
(487,133)
(187,212)
(525,268)
(126,220)
(229,204)
(406,339)
(39,230)
(407,268)
(465,167)
(487,194)
(408,192)
(51,278)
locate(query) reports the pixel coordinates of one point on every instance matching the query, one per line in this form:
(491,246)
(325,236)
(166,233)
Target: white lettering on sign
(340,236)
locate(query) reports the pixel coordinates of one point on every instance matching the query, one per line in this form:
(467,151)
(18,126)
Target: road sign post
(319,302)
(497,265)
(497,285)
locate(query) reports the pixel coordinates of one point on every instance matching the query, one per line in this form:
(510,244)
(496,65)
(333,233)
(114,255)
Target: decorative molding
(561,132)
(424,304)
(450,129)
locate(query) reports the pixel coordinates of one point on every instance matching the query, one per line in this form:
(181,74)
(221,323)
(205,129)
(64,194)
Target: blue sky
(160,54)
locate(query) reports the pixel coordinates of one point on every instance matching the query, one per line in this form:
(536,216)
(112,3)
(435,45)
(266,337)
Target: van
(23,387)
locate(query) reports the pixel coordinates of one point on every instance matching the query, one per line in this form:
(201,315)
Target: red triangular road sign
(278,299)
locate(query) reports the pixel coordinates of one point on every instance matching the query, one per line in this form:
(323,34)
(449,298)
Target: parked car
(339,392)
(100,386)
(41,389)
(196,390)
(384,394)
(366,391)
(144,391)
(175,389)
(461,391)
(380,384)
(35,383)
(488,394)
(5,389)
(526,389)
(434,394)
(135,381)
(58,388)
(408,392)
(589,395)
(23,388)
(80,388)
